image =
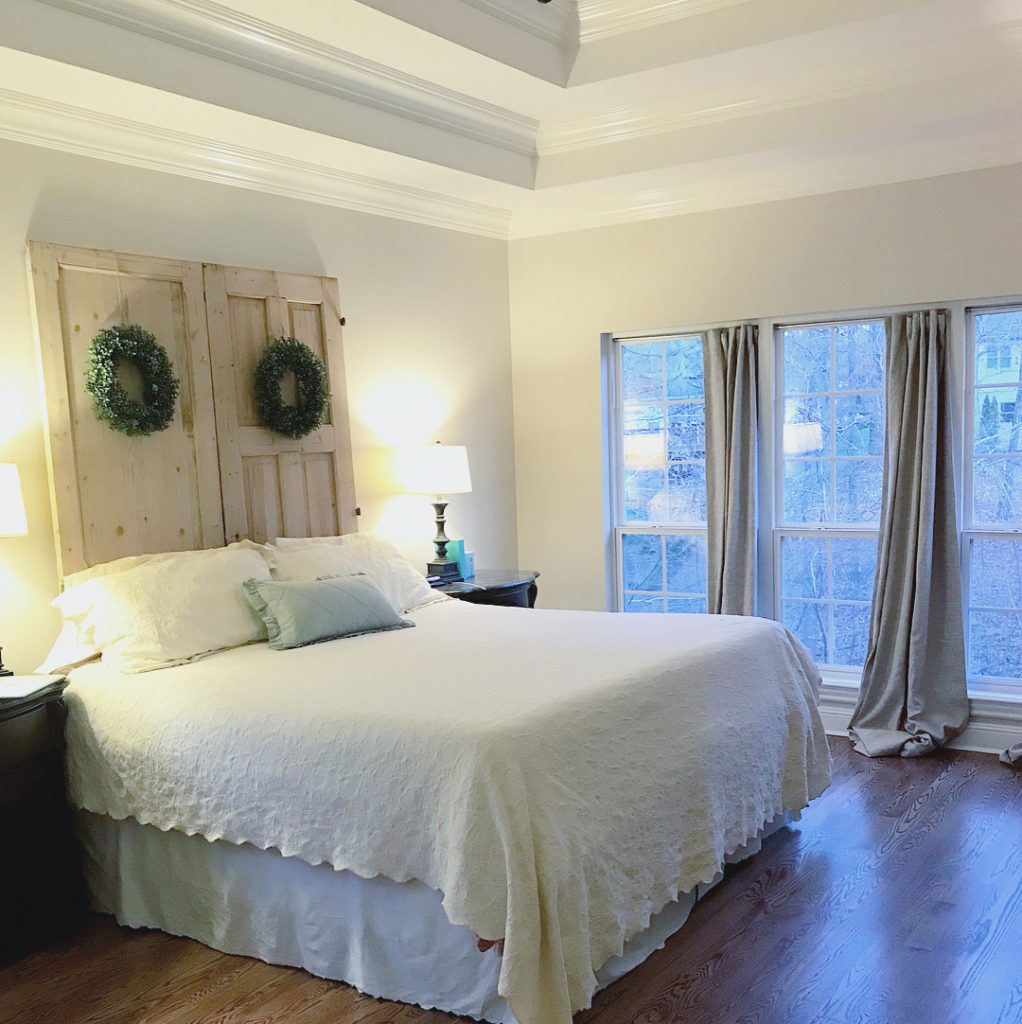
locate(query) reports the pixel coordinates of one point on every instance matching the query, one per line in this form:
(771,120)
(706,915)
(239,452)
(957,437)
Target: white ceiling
(509,117)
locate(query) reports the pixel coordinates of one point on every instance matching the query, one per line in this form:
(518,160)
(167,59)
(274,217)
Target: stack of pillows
(147,612)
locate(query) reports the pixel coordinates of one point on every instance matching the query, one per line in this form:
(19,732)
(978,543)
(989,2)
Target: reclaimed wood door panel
(115,495)
(272,485)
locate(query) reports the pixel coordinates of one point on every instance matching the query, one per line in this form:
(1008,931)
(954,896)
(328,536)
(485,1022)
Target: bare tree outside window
(662,474)
(830,481)
(993,543)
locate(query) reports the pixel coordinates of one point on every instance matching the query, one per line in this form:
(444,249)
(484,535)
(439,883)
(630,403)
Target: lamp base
(446,571)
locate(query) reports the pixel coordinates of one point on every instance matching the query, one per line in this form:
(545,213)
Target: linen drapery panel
(729,368)
(913,695)
(1013,755)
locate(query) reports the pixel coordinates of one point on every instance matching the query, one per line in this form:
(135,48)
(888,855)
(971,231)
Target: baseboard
(994,724)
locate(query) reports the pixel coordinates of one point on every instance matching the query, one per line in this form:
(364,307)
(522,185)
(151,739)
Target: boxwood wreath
(289,355)
(134,344)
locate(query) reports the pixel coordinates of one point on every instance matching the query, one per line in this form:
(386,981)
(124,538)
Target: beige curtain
(729,368)
(913,694)
(1013,755)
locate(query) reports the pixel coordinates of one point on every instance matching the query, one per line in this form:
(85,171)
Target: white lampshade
(436,469)
(12,505)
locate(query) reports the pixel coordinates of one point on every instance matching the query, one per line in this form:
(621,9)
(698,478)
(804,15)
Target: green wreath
(289,355)
(133,344)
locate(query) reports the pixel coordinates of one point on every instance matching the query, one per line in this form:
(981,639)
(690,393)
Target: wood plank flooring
(896,900)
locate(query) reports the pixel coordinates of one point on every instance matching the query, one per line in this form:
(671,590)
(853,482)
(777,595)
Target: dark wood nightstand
(40,874)
(514,588)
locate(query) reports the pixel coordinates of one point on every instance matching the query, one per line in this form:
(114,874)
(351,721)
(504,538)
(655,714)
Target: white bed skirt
(387,939)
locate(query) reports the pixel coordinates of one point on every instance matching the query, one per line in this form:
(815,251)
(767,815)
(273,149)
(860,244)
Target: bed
(548,780)
(493,812)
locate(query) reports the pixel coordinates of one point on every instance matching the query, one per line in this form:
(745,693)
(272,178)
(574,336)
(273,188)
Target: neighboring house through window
(992,535)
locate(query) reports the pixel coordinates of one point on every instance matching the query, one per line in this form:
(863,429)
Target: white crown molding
(816,178)
(70,129)
(554,23)
(600,19)
(206,27)
(625,123)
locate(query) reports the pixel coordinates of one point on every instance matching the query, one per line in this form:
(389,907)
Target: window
(819,527)
(660,441)
(998,357)
(992,538)
(830,444)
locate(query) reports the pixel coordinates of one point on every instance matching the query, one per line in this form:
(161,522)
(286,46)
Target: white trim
(827,531)
(612,347)
(994,725)
(675,200)
(610,377)
(624,123)
(54,125)
(553,23)
(969,530)
(206,27)
(600,19)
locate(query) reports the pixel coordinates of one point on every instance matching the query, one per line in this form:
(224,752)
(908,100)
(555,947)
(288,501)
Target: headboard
(215,474)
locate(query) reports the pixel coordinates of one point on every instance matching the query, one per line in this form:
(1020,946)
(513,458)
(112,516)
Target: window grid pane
(663,571)
(992,586)
(830,445)
(662,474)
(826,588)
(662,431)
(833,427)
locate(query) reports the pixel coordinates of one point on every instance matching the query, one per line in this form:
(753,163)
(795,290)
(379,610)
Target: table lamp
(439,469)
(12,517)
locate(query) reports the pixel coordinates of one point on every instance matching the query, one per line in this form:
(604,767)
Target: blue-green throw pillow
(306,613)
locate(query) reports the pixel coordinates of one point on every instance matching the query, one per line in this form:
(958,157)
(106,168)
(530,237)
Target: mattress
(559,777)
(387,939)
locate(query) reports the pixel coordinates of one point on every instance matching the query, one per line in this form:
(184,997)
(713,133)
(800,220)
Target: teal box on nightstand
(456,553)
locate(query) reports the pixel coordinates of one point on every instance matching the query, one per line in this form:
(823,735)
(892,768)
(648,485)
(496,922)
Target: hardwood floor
(896,900)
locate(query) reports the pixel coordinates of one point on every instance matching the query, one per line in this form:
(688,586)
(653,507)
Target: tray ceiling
(511,117)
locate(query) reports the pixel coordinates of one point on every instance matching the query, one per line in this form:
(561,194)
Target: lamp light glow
(800,438)
(13,522)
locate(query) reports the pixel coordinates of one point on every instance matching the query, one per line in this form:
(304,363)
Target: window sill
(995,719)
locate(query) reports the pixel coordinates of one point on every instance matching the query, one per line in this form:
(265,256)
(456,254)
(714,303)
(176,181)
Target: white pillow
(75,603)
(308,558)
(133,561)
(68,651)
(169,611)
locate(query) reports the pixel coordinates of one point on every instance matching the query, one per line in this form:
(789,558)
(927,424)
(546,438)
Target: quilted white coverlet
(559,776)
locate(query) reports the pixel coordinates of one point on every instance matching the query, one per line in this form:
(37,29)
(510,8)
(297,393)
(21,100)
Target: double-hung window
(659,427)
(829,444)
(819,528)
(992,538)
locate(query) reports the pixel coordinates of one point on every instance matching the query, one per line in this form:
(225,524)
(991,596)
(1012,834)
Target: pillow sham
(300,613)
(68,652)
(169,611)
(133,561)
(310,558)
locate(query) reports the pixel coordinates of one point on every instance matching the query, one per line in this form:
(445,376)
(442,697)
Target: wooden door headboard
(215,474)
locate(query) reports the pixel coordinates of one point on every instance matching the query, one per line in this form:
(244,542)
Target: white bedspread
(558,776)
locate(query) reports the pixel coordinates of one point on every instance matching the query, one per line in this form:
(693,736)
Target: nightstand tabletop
(514,588)
(489,579)
(50,688)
